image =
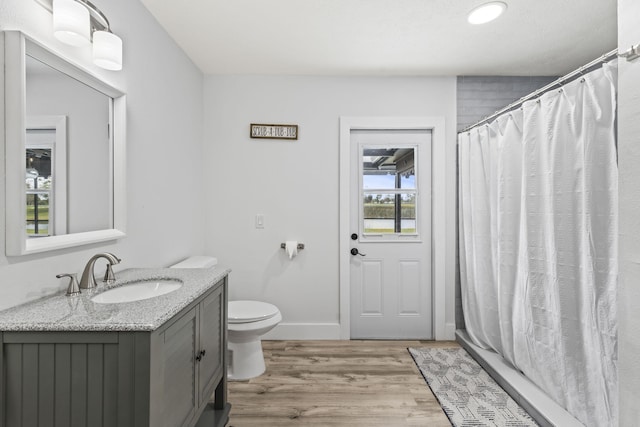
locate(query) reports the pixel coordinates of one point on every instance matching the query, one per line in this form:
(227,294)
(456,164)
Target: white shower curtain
(538,242)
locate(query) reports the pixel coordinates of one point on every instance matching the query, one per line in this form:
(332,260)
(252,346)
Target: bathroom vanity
(157,362)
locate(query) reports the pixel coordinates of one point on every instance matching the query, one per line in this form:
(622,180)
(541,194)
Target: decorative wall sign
(274,131)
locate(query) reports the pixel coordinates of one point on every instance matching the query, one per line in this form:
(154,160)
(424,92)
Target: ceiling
(387,37)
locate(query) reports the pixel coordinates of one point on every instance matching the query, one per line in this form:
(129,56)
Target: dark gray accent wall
(478,97)
(481,96)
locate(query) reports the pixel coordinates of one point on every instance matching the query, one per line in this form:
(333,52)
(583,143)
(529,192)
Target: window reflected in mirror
(84,201)
(39,183)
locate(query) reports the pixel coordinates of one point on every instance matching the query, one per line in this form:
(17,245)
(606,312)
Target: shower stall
(538,239)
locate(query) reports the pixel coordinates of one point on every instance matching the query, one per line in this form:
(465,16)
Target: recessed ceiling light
(486,12)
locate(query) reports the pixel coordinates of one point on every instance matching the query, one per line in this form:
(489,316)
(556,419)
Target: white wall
(295,183)
(164,134)
(629,159)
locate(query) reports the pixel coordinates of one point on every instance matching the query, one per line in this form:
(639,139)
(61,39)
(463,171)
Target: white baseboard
(304,331)
(326,331)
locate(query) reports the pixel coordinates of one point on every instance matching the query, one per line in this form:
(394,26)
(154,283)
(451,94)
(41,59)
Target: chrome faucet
(88,280)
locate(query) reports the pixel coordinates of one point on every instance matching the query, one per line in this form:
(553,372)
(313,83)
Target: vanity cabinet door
(211,343)
(191,353)
(180,366)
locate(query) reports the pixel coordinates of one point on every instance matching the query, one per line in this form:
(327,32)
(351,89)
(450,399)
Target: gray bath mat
(468,395)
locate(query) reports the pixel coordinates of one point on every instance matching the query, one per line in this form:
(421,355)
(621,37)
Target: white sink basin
(137,291)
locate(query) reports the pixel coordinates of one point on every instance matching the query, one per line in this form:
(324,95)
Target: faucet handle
(109,276)
(73,288)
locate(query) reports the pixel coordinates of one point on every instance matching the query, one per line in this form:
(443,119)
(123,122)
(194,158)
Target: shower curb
(541,407)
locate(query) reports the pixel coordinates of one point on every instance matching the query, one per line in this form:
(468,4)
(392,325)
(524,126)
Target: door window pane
(389,190)
(389,213)
(408,180)
(379,182)
(388,168)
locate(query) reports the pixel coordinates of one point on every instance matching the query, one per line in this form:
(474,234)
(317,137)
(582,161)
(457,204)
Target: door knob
(354,236)
(355,251)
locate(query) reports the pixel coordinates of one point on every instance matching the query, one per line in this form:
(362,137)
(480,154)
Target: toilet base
(246,360)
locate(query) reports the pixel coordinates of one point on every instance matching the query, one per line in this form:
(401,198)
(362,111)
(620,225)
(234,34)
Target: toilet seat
(250,311)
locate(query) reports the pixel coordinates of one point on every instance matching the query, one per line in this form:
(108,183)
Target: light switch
(259,220)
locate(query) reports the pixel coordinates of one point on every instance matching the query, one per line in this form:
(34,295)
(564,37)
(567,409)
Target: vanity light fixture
(71,22)
(79,23)
(107,50)
(486,12)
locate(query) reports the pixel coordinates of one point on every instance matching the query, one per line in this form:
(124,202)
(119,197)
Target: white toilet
(247,322)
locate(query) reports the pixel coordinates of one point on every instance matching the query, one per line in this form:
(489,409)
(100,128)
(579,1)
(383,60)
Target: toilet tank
(199,261)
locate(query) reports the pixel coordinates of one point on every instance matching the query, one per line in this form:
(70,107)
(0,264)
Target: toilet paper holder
(284,245)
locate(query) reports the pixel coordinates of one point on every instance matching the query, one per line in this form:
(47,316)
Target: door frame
(436,125)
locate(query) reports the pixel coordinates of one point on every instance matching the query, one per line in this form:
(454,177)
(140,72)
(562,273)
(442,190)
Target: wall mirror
(64,152)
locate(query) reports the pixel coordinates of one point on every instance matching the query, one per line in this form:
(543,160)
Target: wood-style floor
(337,383)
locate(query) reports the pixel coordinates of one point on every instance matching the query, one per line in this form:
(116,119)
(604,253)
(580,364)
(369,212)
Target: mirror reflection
(39,188)
(65,133)
(68,170)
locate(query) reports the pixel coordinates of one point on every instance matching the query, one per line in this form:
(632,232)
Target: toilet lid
(250,311)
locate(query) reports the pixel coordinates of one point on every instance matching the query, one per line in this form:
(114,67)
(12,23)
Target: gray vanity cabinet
(189,361)
(173,376)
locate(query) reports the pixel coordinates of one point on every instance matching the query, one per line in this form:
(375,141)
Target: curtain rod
(558,82)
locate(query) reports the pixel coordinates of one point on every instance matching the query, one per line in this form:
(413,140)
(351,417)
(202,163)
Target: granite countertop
(59,312)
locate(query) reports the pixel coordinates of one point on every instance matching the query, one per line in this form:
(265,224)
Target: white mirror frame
(15,49)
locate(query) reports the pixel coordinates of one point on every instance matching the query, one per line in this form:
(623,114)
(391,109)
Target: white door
(390,271)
